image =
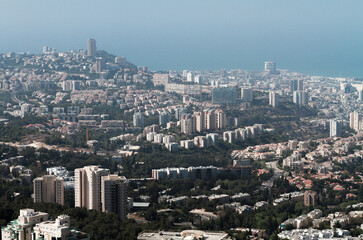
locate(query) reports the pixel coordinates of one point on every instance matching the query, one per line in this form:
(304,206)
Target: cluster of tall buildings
(192,77)
(48,50)
(207,120)
(297,85)
(71,85)
(242,134)
(95,188)
(166,140)
(300,97)
(211,139)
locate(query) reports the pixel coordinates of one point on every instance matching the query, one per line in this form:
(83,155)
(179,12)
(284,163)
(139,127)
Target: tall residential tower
(49,189)
(114,195)
(87,186)
(91,47)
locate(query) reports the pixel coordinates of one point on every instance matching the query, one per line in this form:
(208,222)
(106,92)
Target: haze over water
(323,37)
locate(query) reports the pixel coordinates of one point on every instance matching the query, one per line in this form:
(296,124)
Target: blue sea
(322,37)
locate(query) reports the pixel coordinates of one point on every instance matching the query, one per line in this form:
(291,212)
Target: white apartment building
(87,192)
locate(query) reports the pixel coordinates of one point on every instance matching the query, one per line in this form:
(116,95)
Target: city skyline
(165,119)
(172,35)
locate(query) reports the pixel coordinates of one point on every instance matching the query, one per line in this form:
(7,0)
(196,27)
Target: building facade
(274,99)
(335,128)
(91,48)
(87,184)
(49,189)
(114,195)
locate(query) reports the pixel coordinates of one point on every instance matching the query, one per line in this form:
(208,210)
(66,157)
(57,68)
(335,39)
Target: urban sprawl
(95,147)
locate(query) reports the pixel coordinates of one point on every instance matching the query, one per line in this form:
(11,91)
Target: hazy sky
(312,36)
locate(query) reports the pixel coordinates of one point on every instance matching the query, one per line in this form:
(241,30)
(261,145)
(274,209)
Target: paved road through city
(277,174)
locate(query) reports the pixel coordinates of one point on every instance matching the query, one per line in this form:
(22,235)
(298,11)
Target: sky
(318,37)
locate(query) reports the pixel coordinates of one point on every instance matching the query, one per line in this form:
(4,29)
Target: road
(277,174)
(14,98)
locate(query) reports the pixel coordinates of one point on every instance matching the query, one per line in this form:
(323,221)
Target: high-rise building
(205,120)
(301,97)
(274,99)
(335,128)
(355,121)
(270,67)
(293,85)
(246,94)
(164,118)
(49,189)
(190,77)
(360,96)
(185,73)
(297,85)
(224,95)
(114,195)
(209,120)
(199,121)
(91,48)
(138,119)
(198,79)
(221,119)
(186,124)
(300,85)
(87,186)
